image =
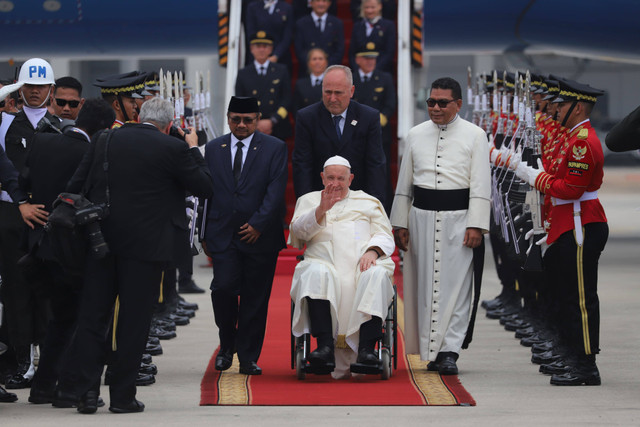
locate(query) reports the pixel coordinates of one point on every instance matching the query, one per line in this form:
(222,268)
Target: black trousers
(136,284)
(240,293)
(26,309)
(572,273)
(64,294)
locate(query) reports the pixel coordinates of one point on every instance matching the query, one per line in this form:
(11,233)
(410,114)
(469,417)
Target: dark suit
(50,164)
(308,36)
(273,92)
(243,269)
(383,36)
(379,93)
(361,144)
(148,174)
(304,94)
(278,24)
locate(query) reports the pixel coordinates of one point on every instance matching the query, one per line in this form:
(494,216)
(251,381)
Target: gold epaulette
(583,134)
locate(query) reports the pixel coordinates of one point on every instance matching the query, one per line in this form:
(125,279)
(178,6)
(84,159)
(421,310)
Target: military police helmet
(36,71)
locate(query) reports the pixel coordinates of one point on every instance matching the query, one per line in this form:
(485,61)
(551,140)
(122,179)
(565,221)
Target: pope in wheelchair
(343,288)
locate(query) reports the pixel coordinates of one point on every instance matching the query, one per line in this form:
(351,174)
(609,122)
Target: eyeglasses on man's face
(63,102)
(442,103)
(246,120)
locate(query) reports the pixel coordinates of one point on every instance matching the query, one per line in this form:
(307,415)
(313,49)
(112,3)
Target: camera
(89,217)
(173,131)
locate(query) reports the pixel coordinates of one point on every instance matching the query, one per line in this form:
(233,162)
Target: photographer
(147,174)
(50,164)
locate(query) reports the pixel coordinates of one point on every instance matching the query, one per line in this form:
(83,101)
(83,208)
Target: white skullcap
(337,160)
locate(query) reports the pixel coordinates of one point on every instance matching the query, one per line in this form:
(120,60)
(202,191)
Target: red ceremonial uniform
(579,170)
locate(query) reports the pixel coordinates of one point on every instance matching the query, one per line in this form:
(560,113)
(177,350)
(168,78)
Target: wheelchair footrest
(319,369)
(361,368)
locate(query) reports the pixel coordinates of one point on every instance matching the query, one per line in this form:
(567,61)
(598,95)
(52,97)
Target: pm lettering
(38,71)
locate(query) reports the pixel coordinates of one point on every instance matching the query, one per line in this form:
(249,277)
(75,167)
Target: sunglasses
(442,103)
(246,120)
(63,102)
(2,104)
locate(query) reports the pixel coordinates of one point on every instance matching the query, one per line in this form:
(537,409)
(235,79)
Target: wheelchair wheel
(300,364)
(386,364)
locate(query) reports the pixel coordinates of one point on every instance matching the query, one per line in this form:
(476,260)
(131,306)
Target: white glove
(542,241)
(515,159)
(527,173)
(493,154)
(8,89)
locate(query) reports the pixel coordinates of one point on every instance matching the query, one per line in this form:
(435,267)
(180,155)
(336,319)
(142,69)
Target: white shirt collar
(363,74)
(315,17)
(246,142)
(579,124)
(258,65)
(444,127)
(34,114)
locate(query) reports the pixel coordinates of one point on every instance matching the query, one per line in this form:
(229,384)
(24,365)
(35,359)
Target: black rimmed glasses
(246,120)
(63,102)
(442,103)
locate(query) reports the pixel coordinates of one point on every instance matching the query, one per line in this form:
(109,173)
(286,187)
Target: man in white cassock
(342,289)
(440,212)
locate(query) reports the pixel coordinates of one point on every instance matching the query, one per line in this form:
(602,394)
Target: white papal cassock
(330,269)
(437,271)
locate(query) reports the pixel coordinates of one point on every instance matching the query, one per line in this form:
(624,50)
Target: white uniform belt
(577,219)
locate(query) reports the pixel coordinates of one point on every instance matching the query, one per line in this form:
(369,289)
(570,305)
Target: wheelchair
(387,349)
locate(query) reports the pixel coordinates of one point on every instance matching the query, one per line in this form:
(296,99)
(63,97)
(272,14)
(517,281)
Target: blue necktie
(336,120)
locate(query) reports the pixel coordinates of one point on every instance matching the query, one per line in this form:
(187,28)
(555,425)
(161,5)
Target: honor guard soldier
(268,82)
(375,88)
(24,316)
(577,236)
(121,92)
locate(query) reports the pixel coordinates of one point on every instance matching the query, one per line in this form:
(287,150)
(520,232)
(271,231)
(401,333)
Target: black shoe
(183,312)
(531,340)
(188,305)
(503,311)
(190,288)
(39,397)
(545,358)
(367,357)
(134,406)
(153,340)
(224,359)
(515,324)
(63,399)
(509,318)
(433,367)
(178,320)
(250,368)
(148,369)
(164,323)
(17,381)
(6,396)
(448,366)
(154,350)
(578,376)
(146,358)
(88,403)
(322,356)
(559,366)
(525,332)
(543,346)
(160,333)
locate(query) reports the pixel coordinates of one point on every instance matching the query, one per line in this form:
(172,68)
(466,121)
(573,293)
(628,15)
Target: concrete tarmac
(496,369)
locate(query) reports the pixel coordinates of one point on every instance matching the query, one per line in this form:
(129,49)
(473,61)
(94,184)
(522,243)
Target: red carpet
(279,386)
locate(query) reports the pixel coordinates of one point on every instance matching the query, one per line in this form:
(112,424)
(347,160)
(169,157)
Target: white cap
(337,160)
(8,89)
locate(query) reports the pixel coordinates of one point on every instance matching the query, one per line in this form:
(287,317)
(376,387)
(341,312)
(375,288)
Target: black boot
(370,333)
(583,372)
(447,365)
(320,318)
